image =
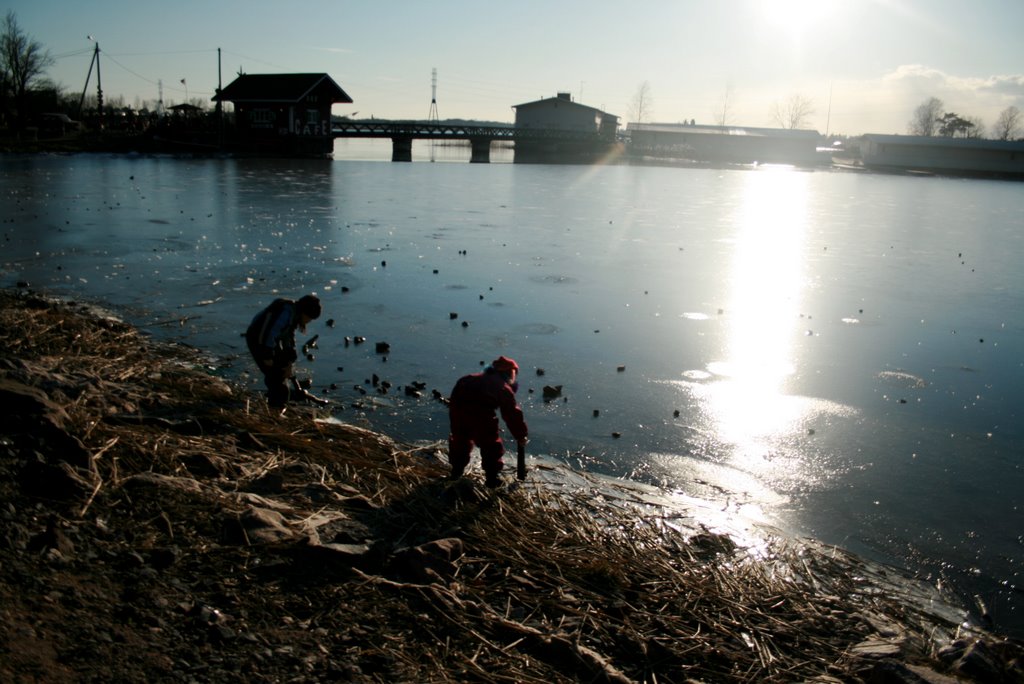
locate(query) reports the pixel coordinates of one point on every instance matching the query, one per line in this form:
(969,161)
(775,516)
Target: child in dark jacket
(271,340)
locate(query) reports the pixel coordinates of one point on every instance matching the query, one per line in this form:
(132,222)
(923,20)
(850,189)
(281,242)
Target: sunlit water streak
(839,355)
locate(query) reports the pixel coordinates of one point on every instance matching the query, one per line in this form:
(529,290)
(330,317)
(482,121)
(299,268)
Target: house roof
(702,129)
(938,141)
(286,88)
(563,102)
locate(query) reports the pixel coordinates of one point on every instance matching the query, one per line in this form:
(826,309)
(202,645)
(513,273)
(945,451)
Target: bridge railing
(427,130)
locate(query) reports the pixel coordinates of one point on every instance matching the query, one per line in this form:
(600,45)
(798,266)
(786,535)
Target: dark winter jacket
(271,335)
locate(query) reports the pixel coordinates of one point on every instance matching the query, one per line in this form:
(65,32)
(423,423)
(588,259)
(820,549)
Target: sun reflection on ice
(745,402)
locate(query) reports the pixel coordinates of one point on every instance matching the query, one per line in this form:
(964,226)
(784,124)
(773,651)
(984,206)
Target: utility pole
(99,86)
(220,107)
(99,83)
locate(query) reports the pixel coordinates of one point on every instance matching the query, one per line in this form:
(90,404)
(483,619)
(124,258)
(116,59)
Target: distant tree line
(26,91)
(929,119)
(792,113)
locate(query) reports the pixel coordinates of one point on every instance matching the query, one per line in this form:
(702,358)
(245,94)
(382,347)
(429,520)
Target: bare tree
(723,114)
(975,127)
(926,117)
(22,62)
(1008,125)
(640,107)
(794,112)
(5,79)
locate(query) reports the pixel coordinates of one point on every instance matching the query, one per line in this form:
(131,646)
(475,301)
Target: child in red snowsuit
(471,411)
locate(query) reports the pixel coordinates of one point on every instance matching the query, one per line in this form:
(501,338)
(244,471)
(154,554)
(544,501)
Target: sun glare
(795,18)
(747,403)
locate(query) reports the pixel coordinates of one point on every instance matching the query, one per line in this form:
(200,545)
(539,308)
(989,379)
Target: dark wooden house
(556,129)
(283,113)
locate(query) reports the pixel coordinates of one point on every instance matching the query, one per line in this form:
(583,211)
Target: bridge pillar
(401,149)
(481,150)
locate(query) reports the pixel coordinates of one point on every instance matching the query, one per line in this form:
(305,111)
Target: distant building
(561,113)
(566,130)
(724,144)
(963,156)
(286,113)
(186,110)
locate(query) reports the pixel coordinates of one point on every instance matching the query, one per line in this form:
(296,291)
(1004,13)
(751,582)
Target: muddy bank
(160,524)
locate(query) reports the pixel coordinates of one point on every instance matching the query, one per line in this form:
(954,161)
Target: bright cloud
(886,105)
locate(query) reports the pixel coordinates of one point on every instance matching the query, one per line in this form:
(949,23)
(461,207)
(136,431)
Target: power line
(133,73)
(74,53)
(254,59)
(112,57)
(169,52)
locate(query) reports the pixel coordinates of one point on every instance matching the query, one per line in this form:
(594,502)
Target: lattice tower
(433,96)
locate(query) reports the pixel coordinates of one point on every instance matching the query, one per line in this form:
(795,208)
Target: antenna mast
(433,96)
(828,117)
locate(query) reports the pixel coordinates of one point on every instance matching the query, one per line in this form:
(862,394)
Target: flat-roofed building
(724,144)
(963,156)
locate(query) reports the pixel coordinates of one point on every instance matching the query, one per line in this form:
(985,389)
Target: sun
(797,18)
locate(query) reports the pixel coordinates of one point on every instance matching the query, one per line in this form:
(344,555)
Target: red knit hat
(503,363)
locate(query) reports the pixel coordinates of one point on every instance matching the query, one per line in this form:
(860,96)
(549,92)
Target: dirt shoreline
(159,524)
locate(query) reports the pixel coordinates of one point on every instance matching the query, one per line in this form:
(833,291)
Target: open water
(837,354)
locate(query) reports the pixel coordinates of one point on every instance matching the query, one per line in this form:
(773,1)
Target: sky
(864,65)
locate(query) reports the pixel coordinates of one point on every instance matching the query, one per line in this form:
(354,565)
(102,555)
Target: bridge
(402,133)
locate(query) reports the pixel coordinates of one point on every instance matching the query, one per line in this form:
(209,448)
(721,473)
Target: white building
(943,155)
(724,144)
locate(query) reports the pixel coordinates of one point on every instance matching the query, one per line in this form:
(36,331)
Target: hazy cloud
(915,72)
(886,104)
(977,96)
(1012,86)
(917,76)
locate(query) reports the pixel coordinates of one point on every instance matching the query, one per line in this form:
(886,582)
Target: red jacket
(475,399)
